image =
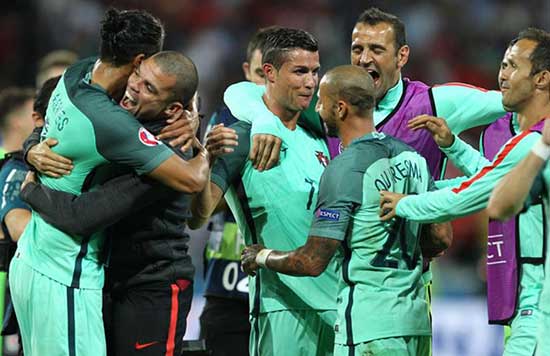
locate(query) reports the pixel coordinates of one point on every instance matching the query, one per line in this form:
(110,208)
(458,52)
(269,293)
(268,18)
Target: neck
(355,127)
(536,110)
(13,141)
(289,118)
(112,79)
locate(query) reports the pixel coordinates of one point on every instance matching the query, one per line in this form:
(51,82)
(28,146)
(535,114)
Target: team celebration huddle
(322,189)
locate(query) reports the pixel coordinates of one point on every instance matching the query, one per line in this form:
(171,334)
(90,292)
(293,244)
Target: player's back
(382,288)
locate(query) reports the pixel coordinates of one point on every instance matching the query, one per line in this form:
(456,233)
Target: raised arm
(469,197)
(465,106)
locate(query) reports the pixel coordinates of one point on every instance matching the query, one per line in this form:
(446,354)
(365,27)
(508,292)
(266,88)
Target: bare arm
(308,260)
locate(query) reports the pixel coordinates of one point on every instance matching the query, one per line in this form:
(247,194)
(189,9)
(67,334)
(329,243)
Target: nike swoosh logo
(142,346)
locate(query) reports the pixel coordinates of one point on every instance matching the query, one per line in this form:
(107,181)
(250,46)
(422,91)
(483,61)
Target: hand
(436,126)
(248,259)
(181,129)
(546,132)
(265,151)
(29,178)
(47,162)
(388,204)
(221,140)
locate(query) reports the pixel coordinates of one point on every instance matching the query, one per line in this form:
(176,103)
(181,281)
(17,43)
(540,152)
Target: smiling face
(373,48)
(293,85)
(514,78)
(149,91)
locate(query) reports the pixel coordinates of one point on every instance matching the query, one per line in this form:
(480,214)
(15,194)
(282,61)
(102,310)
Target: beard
(332,130)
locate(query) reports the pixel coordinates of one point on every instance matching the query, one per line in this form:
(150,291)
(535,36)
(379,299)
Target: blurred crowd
(450,40)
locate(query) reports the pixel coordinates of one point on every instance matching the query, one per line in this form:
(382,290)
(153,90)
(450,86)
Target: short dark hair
(540,58)
(12,99)
(126,34)
(258,40)
(352,84)
(43,95)
(282,40)
(374,16)
(185,71)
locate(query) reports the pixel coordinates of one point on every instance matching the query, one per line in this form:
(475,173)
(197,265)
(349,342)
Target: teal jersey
(381,291)
(92,130)
(275,208)
(462,106)
(471,195)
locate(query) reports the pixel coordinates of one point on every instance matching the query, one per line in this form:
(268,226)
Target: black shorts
(149,320)
(225,326)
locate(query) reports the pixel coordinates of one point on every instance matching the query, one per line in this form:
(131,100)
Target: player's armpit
(309,260)
(435,238)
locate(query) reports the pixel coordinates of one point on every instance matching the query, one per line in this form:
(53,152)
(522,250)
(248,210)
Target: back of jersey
(382,293)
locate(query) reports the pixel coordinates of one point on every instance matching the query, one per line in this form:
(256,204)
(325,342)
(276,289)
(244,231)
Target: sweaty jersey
(92,130)
(275,208)
(381,293)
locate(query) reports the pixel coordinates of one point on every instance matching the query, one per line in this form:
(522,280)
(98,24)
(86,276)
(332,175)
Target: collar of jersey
(368,137)
(388,102)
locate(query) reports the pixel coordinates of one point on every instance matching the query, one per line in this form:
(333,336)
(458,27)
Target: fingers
(48,162)
(265,157)
(425,121)
(388,204)
(275,152)
(221,140)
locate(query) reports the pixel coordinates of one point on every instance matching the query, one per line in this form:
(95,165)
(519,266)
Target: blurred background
(450,40)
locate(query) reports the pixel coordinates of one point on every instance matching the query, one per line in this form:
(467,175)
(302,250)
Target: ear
(270,72)
(37,119)
(402,56)
(246,70)
(138,59)
(173,109)
(342,110)
(542,80)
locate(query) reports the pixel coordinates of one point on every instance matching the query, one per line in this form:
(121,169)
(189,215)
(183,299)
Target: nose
(311,80)
(365,59)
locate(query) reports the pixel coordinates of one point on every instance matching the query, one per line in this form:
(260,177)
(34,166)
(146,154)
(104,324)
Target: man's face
(295,82)
(373,48)
(514,78)
(148,91)
(253,71)
(326,108)
(23,118)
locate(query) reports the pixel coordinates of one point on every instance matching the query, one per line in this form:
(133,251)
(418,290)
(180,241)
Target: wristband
(541,150)
(261,257)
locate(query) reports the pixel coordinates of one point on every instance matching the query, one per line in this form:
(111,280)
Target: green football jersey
(92,130)
(381,292)
(275,208)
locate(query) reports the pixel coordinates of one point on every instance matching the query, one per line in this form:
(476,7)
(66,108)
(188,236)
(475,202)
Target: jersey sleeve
(465,157)
(465,106)
(94,210)
(228,167)
(340,193)
(121,139)
(473,194)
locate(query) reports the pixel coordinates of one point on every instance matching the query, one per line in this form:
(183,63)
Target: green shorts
(392,346)
(522,336)
(55,319)
(293,332)
(543,334)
